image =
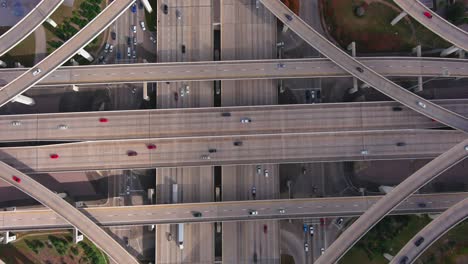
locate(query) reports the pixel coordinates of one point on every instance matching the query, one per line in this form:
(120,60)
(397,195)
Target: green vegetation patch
(368,24)
(388,236)
(151,19)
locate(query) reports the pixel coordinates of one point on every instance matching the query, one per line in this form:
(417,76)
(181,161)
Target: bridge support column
(145,92)
(2,64)
(7,237)
(449,51)
(461,54)
(147,6)
(85,55)
(352,48)
(418,52)
(398,18)
(75,88)
(77,236)
(51,22)
(24,100)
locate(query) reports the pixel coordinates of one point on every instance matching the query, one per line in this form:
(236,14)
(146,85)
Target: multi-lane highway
(436,24)
(41,219)
(239,70)
(66,212)
(231,150)
(433,231)
(62,54)
(211,122)
(361,71)
(375,213)
(27,24)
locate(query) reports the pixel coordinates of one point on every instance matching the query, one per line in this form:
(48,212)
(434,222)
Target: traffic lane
(234,70)
(225,211)
(66,51)
(411,184)
(436,24)
(253,149)
(209,121)
(67,212)
(433,231)
(363,72)
(27,24)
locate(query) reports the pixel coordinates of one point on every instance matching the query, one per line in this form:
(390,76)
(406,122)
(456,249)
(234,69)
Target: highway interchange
(261,144)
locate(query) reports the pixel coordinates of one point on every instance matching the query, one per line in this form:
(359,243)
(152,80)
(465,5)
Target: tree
(456,12)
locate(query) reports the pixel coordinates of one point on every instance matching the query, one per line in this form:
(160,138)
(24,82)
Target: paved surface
(40,43)
(433,231)
(436,24)
(243,240)
(248,69)
(367,75)
(27,24)
(255,149)
(372,216)
(194,31)
(195,185)
(68,213)
(225,211)
(209,121)
(66,51)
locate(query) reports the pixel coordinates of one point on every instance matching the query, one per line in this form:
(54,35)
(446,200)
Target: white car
(245,120)
(36,72)
(253,212)
(16,123)
(282,211)
(134,28)
(111,48)
(421,104)
(306,247)
(142,24)
(62,127)
(259,169)
(364,152)
(322,250)
(129,50)
(152,39)
(266,173)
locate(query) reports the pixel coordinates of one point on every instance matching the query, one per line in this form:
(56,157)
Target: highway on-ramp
(271,119)
(249,149)
(41,219)
(361,71)
(69,213)
(436,24)
(66,51)
(241,70)
(376,212)
(433,231)
(27,24)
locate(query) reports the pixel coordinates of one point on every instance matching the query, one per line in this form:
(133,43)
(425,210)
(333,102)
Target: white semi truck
(180,236)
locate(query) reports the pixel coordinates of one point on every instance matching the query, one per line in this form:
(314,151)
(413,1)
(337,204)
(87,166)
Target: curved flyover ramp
(27,25)
(436,24)
(385,205)
(75,217)
(359,70)
(65,52)
(433,231)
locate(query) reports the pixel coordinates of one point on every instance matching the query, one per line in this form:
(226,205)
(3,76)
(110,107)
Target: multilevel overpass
(66,212)
(239,70)
(361,71)
(63,53)
(432,232)
(214,122)
(436,24)
(27,24)
(385,205)
(232,150)
(41,219)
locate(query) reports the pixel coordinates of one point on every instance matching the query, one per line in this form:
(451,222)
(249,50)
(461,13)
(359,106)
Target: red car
(176,96)
(54,156)
(265,229)
(427,14)
(103,120)
(131,153)
(151,146)
(16,179)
